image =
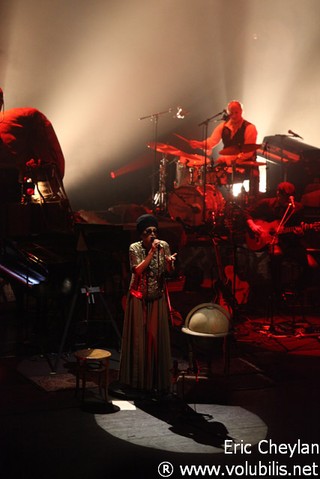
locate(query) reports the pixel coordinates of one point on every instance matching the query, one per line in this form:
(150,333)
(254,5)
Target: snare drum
(187,204)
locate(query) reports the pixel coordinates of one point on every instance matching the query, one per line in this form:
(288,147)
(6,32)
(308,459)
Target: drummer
(235,132)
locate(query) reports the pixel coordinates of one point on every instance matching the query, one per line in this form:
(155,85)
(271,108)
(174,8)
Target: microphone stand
(205,124)
(287,214)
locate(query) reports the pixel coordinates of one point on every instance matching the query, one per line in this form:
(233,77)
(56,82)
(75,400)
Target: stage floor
(271,393)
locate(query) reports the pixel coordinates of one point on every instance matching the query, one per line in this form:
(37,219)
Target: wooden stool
(93,361)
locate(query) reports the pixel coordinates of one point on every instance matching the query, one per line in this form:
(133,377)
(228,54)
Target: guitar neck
(292,229)
(270,233)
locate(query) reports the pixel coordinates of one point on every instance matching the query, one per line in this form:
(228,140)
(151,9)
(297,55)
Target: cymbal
(185,158)
(235,150)
(164,148)
(237,162)
(250,163)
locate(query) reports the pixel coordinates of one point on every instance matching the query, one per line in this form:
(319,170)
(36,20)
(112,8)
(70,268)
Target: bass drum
(187,202)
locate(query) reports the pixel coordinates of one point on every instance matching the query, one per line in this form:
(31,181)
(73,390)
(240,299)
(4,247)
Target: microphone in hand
(157,243)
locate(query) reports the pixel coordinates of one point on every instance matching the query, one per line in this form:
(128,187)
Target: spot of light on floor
(199,428)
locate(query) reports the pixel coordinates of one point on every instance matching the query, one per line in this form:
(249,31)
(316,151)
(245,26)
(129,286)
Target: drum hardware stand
(230,207)
(155,118)
(231,185)
(224,295)
(191,175)
(160,198)
(205,124)
(233,303)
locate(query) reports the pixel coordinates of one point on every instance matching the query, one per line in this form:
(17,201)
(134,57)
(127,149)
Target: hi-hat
(235,150)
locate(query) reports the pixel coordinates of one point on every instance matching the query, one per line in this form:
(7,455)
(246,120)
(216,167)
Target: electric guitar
(270,233)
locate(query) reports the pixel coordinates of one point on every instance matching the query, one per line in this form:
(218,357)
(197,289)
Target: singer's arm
(170,259)
(138,268)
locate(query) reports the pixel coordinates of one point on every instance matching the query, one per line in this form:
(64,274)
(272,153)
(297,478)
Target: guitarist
(284,210)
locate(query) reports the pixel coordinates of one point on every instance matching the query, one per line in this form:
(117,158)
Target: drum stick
(182,137)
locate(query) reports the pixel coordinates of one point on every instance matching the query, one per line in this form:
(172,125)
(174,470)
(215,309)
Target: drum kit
(195,197)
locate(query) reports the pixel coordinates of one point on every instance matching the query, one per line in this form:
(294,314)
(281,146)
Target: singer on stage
(146,353)
(235,131)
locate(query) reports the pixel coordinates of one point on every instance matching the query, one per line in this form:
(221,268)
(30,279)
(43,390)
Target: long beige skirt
(145,361)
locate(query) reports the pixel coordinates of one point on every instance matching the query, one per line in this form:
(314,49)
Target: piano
(285,149)
(29,263)
(289,159)
(52,259)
